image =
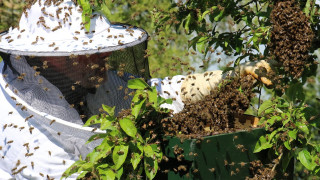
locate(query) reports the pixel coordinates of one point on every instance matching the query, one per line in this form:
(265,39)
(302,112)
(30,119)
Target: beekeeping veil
(63,73)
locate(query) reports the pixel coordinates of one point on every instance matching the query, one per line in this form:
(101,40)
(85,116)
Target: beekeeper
(56,74)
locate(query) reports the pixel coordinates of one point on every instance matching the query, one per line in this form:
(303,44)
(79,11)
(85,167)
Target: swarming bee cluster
(216,112)
(291,37)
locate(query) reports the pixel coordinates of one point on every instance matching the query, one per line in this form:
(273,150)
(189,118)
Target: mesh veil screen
(61,84)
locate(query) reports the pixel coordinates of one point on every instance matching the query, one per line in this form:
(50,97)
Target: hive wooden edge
(243,122)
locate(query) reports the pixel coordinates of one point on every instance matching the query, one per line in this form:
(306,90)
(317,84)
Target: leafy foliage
(10,12)
(290,123)
(124,147)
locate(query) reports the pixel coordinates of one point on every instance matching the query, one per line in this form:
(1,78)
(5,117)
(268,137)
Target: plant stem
(279,158)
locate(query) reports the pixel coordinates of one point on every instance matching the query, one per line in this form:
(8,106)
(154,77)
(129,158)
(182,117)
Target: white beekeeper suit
(40,135)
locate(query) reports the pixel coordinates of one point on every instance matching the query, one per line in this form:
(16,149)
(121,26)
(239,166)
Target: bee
(20,77)
(167,92)
(8,37)
(52,122)
(15,126)
(32,164)
(14,169)
(41,174)
(35,148)
(71,105)
(18,163)
(77,32)
(94,129)
(21,169)
(73,88)
(31,129)
(10,112)
(10,40)
(21,128)
(23,30)
(56,48)
(75,38)
(19,36)
(49,153)
(59,133)
(25,144)
(63,162)
(120,88)
(81,103)
(85,43)
(36,73)
(195,171)
(9,142)
(53,44)
(110,36)
(108,29)
(90,41)
(82,116)
(56,28)
(28,154)
(23,108)
(131,34)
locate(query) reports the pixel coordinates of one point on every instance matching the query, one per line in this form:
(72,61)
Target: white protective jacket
(36,145)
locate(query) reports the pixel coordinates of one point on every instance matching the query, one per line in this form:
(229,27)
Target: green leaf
(119,173)
(88,166)
(201,44)
(187,24)
(105,10)
(137,84)
(168,101)
(128,127)
(135,110)
(96,136)
(192,43)
(119,155)
(136,154)
(307,8)
(148,151)
(92,120)
(82,175)
(110,175)
(265,105)
(305,158)
(108,109)
(287,145)
(273,119)
(203,15)
(86,13)
(153,97)
(73,168)
(262,144)
(151,167)
(295,92)
(106,123)
(304,128)
(293,134)
(219,16)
